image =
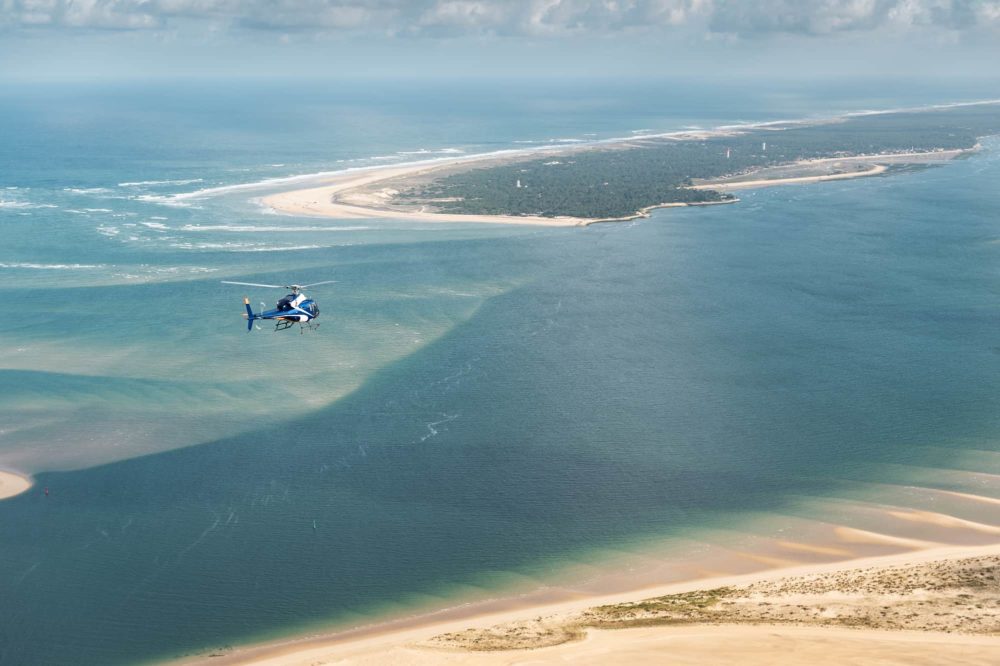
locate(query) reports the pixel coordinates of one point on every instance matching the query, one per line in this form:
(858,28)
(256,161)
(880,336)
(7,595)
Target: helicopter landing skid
(284,324)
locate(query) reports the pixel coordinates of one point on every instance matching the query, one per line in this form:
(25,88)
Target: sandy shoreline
(769,182)
(318,201)
(835,168)
(12,484)
(416,645)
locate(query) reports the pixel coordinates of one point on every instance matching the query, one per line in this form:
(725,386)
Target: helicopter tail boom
(250,315)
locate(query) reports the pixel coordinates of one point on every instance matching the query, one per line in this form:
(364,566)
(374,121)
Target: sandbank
(825,169)
(768,182)
(12,484)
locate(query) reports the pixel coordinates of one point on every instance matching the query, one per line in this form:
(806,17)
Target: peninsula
(580,184)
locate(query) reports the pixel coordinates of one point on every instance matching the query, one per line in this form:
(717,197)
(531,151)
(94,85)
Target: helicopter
(295,308)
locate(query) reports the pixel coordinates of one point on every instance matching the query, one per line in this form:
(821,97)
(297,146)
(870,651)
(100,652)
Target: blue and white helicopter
(295,308)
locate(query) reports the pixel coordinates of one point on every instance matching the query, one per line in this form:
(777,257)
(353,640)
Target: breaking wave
(11,204)
(51,267)
(244,247)
(142,183)
(87,190)
(249,228)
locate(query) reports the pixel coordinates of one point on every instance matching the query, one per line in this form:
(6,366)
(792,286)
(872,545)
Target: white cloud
(507,17)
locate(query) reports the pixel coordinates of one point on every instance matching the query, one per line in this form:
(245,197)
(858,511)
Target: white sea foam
(142,183)
(176,270)
(152,273)
(425,151)
(51,267)
(108,231)
(87,190)
(289,248)
(250,228)
(172,200)
(157,226)
(98,210)
(12,204)
(243,247)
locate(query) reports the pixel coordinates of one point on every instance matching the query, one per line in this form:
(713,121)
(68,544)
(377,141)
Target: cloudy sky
(452,38)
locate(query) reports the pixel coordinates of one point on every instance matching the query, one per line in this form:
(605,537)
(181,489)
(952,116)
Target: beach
(12,484)
(362,195)
(916,607)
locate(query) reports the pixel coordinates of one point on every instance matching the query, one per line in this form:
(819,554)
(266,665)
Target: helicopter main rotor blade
(254,284)
(316,284)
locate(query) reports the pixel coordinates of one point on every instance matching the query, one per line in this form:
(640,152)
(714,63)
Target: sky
(414,39)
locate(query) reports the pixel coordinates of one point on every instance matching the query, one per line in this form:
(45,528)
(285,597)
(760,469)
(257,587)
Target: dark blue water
(481,408)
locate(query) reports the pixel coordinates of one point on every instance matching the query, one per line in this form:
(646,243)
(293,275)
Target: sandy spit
(12,484)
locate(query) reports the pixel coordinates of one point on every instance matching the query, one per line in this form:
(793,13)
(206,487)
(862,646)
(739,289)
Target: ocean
(486,411)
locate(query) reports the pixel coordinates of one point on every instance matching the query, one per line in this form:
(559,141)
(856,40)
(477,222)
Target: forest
(618,181)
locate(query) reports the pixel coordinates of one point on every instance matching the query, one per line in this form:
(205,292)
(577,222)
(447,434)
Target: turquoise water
(482,406)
